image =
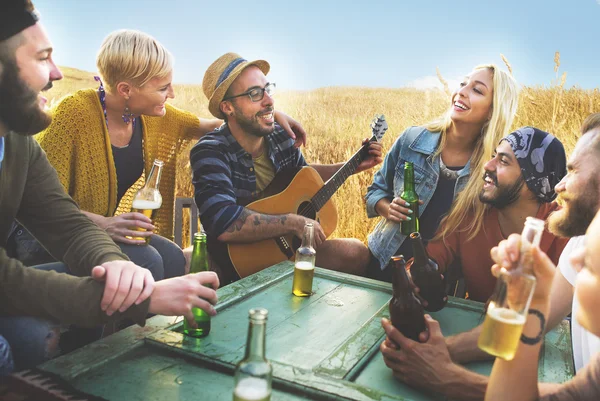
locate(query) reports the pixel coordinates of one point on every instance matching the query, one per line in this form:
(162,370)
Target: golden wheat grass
(338,118)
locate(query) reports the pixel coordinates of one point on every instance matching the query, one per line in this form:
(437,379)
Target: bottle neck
(308,237)
(409,178)
(530,237)
(255,345)
(154,177)
(419,252)
(400,283)
(199,262)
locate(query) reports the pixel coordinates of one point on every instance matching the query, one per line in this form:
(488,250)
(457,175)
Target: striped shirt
(223,172)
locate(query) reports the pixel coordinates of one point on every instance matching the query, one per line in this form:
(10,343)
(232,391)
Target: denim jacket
(416,145)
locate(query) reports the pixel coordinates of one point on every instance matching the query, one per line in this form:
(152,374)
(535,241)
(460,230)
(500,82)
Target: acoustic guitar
(299,191)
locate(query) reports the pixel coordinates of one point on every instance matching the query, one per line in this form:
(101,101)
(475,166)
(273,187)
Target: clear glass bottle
(304,266)
(254,374)
(199,263)
(148,199)
(507,310)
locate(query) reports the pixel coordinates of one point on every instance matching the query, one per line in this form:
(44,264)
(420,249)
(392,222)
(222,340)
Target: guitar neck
(338,179)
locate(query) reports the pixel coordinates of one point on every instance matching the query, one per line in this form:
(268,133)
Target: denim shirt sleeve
(383,180)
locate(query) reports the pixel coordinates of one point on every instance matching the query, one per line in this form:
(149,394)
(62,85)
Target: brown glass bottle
(406,312)
(425,275)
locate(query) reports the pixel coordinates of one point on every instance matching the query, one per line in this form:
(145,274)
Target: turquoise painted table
(323,347)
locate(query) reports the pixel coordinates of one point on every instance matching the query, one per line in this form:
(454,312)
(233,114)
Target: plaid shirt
(223,172)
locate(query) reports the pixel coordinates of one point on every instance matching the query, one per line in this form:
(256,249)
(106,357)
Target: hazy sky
(373,43)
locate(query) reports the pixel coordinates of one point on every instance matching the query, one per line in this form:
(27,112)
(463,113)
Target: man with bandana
(34,301)
(518,182)
(435,362)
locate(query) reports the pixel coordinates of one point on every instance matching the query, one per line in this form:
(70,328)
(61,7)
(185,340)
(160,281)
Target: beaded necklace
(102,94)
(448,173)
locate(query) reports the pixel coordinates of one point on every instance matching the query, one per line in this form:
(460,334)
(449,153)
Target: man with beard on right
(519,182)
(35,301)
(436,362)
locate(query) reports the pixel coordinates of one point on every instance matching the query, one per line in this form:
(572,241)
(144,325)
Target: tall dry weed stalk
(443,81)
(510,70)
(559,85)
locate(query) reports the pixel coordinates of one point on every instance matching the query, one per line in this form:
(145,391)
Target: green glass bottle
(198,264)
(410,195)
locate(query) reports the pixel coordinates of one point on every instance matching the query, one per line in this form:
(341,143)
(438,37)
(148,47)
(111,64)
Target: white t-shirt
(585,344)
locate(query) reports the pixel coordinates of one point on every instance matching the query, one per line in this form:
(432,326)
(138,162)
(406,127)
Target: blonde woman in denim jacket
(444,154)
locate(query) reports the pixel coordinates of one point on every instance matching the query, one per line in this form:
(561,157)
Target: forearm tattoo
(239,222)
(269,219)
(257,219)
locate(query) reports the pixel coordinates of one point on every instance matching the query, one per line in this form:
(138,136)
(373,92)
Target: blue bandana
(542,159)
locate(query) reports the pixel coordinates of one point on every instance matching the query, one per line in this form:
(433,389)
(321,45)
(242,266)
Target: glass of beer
(304,268)
(506,315)
(507,310)
(148,208)
(148,200)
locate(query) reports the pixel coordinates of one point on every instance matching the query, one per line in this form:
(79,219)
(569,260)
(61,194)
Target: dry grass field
(338,118)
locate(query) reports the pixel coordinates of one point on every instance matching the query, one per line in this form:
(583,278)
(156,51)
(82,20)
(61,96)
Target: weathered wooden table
(323,347)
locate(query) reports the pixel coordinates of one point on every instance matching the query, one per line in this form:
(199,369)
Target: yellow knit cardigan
(78,146)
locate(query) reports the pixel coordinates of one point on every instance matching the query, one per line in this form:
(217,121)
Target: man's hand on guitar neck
(374,158)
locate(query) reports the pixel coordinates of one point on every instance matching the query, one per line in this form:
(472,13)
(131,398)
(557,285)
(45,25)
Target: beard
(19,105)
(577,213)
(505,195)
(252,125)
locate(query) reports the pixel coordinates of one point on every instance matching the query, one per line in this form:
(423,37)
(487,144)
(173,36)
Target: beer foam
(252,388)
(507,316)
(145,204)
(304,266)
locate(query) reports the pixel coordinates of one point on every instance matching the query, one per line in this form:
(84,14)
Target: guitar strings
(319,195)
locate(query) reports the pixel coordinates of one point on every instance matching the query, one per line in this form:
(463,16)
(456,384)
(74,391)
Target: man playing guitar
(237,162)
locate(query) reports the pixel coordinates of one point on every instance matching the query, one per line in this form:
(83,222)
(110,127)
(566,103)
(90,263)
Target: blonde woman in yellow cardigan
(102,143)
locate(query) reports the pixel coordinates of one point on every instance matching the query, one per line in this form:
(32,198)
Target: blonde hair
(504,107)
(132,56)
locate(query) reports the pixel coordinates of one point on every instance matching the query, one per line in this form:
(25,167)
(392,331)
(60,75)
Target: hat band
(228,70)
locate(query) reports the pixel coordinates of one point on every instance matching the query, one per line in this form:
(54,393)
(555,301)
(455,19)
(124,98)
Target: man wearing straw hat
(33,301)
(240,159)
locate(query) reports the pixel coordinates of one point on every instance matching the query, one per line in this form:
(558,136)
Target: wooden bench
(180,204)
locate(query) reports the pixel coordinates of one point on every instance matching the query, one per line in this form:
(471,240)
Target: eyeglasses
(256,94)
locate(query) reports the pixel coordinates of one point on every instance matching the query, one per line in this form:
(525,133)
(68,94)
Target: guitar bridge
(284,247)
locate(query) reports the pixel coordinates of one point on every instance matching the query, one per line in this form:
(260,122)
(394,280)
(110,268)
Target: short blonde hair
(132,56)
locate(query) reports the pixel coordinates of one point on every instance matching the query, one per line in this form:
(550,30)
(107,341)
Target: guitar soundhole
(305,209)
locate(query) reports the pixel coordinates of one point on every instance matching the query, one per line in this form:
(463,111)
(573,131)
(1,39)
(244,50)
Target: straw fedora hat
(221,74)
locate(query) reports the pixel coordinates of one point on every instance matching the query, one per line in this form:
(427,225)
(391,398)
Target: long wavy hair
(505,100)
